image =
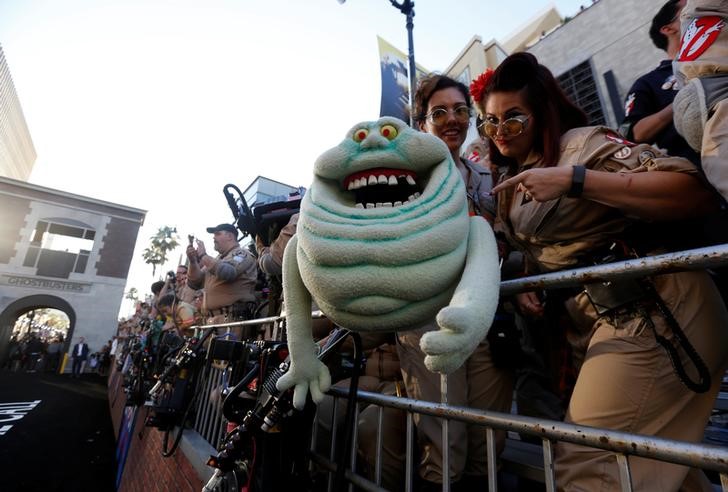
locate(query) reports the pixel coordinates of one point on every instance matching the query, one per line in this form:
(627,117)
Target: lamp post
(407,7)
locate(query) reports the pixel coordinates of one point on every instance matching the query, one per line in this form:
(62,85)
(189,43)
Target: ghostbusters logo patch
(646,157)
(700,34)
(623,153)
(613,137)
(629,104)
(237,259)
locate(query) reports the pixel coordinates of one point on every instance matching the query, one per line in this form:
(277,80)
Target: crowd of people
(30,352)
(643,356)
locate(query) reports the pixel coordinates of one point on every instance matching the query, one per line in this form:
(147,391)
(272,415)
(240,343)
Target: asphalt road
(55,434)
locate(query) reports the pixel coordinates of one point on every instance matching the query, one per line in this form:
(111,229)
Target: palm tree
(132,294)
(164,241)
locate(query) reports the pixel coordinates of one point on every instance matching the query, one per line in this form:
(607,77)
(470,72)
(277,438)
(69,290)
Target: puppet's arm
(306,372)
(465,322)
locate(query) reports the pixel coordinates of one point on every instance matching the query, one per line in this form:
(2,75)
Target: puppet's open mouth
(380,187)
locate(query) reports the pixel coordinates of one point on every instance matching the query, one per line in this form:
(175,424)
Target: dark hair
(167,300)
(157,287)
(183,266)
(553,114)
(664,16)
(428,85)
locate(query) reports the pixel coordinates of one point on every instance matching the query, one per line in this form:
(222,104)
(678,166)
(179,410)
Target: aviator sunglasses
(438,117)
(512,127)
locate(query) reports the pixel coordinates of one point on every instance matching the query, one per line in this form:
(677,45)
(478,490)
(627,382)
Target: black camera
(172,276)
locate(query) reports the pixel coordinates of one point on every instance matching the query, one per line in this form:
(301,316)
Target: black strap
(577,182)
(704,382)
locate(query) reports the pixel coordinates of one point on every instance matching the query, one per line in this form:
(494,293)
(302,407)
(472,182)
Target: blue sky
(157,104)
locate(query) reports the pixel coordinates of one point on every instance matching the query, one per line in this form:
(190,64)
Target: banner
(393,64)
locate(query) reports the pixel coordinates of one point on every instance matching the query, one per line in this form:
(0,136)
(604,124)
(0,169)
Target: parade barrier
(209,426)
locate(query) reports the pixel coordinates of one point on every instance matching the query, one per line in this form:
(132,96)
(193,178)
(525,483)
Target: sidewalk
(55,433)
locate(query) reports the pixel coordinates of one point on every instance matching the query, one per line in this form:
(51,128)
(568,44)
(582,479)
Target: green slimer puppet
(385,243)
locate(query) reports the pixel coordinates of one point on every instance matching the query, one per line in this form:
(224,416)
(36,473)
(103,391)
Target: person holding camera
(228,279)
(177,283)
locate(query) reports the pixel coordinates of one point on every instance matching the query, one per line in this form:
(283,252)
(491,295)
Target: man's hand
(541,184)
(191,254)
(201,251)
(259,246)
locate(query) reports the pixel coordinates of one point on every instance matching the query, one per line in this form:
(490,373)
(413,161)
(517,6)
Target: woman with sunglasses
(570,196)
(443,108)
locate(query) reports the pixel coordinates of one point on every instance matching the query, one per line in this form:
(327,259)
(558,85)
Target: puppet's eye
(389,132)
(360,135)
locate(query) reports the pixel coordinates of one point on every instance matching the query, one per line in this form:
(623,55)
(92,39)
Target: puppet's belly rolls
(377,295)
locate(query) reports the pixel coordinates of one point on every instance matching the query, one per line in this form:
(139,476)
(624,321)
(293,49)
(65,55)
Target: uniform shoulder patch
(613,137)
(238,258)
(629,104)
(699,35)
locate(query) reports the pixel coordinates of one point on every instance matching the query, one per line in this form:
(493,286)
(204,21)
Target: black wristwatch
(577,182)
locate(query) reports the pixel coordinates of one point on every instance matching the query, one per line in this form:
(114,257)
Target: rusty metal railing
(623,444)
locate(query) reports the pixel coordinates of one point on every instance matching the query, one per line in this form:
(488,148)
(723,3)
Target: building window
(579,84)
(464,77)
(58,249)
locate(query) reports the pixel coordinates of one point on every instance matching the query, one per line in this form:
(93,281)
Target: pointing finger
(507,183)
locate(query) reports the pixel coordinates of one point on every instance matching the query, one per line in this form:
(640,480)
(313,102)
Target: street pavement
(55,433)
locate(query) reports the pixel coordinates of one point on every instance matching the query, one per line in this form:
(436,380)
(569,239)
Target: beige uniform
(704,54)
(185,293)
(626,381)
(270,258)
(221,294)
(477,384)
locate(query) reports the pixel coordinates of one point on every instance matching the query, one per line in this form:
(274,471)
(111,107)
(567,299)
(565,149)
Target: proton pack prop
(172,397)
(385,243)
(263,220)
(266,450)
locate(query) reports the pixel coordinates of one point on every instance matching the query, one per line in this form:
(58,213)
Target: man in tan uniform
(228,280)
(701,107)
(178,284)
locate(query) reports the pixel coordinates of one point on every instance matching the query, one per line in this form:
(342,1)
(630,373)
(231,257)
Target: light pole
(407,7)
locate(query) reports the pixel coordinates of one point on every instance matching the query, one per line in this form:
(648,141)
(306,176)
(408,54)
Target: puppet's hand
(448,348)
(306,374)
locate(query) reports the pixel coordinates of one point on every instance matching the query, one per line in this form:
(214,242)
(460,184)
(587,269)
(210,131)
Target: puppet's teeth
(387,204)
(417,194)
(351,185)
(410,180)
(359,205)
(405,202)
(379,204)
(370,205)
(392,181)
(411,197)
(382,179)
(372,180)
(397,204)
(362,182)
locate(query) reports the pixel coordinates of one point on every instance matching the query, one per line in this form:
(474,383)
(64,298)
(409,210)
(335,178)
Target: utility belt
(639,296)
(234,312)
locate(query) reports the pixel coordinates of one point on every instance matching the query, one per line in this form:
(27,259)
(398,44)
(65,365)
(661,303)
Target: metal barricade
(623,444)
(211,425)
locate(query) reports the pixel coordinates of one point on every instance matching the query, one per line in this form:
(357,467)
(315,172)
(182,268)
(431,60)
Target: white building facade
(67,252)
